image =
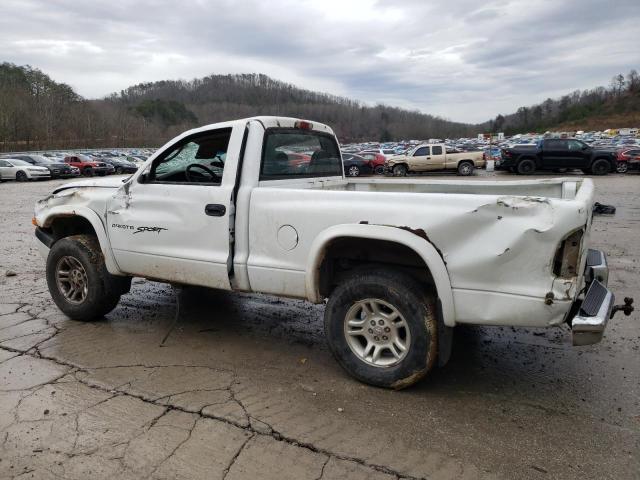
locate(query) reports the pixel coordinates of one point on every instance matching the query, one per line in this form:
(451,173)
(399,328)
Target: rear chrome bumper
(587,327)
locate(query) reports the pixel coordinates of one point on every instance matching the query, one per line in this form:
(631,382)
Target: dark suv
(56,168)
(558,154)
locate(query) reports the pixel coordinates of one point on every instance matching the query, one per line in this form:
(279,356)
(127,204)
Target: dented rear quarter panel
(498,246)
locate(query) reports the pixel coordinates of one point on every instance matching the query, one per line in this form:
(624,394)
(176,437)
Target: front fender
(417,243)
(46,217)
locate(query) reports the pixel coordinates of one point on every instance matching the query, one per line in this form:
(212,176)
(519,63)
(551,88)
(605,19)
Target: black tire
(119,170)
(353,171)
(103,289)
(21,176)
(379,170)
(416,307)
(622,167)
(399,170)
(526,166)
(600,166)
(465,169)
(88,172)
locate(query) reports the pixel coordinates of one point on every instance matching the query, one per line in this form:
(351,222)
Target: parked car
(434,157)
(558,153)
(627,159)
(88,166)
(377,160)
(57,168)
(400,262)
(355,165)
(120,165)
(21,171)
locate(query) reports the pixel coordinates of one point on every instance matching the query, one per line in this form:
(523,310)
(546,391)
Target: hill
(37,112)
(596,109)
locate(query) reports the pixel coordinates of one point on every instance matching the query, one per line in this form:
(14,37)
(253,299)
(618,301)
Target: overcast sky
(463,60)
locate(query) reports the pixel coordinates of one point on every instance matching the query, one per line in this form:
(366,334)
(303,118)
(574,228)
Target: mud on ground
(244,387)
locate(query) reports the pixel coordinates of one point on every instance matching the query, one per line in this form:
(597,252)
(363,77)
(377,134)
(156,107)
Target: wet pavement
(243,386)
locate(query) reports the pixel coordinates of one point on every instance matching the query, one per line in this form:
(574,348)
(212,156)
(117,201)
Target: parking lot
(242,386)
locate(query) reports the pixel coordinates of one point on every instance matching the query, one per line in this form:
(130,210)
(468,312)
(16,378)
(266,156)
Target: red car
(628,158)
(377,161)
(88,166)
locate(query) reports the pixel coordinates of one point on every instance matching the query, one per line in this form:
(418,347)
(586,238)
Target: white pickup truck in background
(230,206)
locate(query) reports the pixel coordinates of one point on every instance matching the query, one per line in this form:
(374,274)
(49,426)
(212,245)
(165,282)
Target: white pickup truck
(232,206)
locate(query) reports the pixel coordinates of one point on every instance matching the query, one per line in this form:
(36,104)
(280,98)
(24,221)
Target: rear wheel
(88,172)
(21,176)
(622,167)
(600,167)
(353,171)
(399,170)
(78,280)
(465,168)
(119,170)
(381,328)
(526,166)
(379,170)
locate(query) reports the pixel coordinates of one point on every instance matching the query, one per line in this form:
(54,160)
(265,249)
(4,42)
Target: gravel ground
(244,387)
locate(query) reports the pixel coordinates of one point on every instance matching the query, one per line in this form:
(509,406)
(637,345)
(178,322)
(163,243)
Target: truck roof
(267,121)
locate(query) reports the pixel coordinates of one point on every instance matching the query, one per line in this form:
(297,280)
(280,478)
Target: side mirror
(216,162)
(584,147)
(143,178)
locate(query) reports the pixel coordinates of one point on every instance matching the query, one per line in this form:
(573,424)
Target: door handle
(215,210)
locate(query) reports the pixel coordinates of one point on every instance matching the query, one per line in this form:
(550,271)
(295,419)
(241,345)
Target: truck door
(438,158)
(578,154)
(173,220)
(554,153)
(418,161)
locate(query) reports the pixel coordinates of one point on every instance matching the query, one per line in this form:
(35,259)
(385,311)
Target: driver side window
(197,159)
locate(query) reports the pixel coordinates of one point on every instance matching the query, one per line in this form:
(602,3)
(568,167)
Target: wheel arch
(64,221)
(416,241)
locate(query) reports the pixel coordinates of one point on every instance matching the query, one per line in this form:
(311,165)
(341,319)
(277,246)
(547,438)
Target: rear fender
(416,241)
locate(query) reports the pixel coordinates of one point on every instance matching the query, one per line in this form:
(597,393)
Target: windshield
(41,159)
(19,163)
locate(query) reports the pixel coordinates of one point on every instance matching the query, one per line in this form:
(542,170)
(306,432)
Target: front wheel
(88,172)
(353,171)
(600,167)
(622,167)
(381,328)
(399,170)
(78,280)
(379,170)
(21,176)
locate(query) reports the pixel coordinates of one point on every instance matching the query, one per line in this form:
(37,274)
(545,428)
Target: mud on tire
(75,261)
(394,290)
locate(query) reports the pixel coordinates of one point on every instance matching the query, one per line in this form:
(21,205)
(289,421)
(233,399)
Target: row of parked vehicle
(549,154)
(27,166)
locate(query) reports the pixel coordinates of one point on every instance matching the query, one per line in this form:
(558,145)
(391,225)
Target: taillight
(302,125)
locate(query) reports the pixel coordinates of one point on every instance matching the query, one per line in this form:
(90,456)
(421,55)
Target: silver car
(21,171)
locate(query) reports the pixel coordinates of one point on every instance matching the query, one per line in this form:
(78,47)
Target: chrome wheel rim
(72,280)
(622,168)
(377,333)
(466,169)
(354,171)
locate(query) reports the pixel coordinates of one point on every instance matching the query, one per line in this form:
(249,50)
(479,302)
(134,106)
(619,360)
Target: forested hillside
(617,105)
(37,113)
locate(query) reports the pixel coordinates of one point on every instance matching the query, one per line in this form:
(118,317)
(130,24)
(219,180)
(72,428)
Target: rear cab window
(295,153)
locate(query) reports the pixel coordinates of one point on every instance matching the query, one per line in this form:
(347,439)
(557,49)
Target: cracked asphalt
(243,386)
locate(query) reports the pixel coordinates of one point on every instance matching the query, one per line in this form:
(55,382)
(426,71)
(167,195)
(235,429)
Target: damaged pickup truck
(400,262)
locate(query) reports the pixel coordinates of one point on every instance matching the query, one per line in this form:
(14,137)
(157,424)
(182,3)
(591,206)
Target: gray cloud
(459,60)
